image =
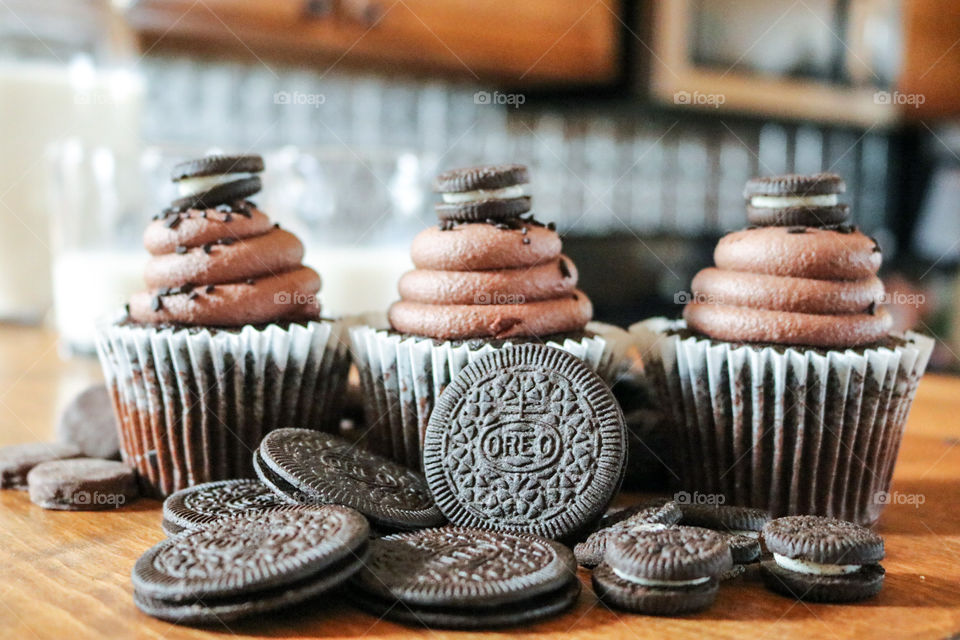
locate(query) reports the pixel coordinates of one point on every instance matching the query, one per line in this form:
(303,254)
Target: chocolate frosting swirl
(796,286)
(480,281)
(226,268)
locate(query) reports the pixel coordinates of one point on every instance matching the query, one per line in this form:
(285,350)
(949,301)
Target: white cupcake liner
(402,376)
(790,430)
(193,404)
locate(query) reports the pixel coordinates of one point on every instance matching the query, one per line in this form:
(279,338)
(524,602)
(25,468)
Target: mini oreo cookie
(90,423)
(798,216)
(250,563)
(822,559)
(794,184)
(740,525)
(216,166)
(487,177)
(590,552)
(483,210)
(82,484)
(220,194)
(312,467)
(662,572)
(525,439)
(465,578)
(17,460)
(202,504)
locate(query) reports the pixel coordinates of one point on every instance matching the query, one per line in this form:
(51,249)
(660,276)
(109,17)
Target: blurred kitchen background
(640,122)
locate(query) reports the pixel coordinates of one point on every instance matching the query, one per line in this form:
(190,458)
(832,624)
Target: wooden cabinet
(514,43)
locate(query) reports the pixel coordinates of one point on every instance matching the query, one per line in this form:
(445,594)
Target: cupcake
(488,277)
(226,343)
(784,386)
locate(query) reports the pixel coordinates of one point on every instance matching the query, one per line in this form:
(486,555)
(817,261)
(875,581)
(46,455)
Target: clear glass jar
(66,71)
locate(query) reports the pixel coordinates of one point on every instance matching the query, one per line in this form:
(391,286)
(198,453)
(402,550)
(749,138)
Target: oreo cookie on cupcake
(226,342)
(487,277)
(784,384)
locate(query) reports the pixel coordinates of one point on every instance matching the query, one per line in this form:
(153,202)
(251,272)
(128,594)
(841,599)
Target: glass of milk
(66,71)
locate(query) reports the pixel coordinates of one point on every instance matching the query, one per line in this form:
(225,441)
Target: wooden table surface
(66,575)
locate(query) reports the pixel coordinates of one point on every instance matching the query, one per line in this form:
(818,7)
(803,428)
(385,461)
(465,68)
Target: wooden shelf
(67,575)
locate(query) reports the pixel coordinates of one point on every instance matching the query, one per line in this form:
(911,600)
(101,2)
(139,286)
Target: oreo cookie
(216,166)
(795,184)
(494,193)
(493,209)
(82,484)
(525,439)
(89,423)
(482,178)
(17,460)
(311,467)
(822,559)
(465,578)
(202,504)
(250,564)
(648,515)
(663,572)
(796,200)
(219,194)
(740,525)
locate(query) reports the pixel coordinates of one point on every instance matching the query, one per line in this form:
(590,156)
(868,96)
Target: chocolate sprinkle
(797,230)
(872,309)
(204,215)
(524,230)
(207,248)
(276,225)
(876,245)
(156,304)
(564,269)
(224,208)
(181,250)
(226,241)
(174,222)
(251,281)
(551,226)
(526,241)
(210,288)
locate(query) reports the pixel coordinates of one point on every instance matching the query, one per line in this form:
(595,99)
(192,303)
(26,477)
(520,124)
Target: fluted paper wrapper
(193,405)
(793,431)
(402,376)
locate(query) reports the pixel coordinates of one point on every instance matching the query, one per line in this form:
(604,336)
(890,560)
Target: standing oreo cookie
(250,564)
(796,200)
(478,194)
(212,180)
(822,559)
(525,439)
(650,515)
(467,578)
(311,467)
(90,423)
(202,504)
(662,572)
(740,525)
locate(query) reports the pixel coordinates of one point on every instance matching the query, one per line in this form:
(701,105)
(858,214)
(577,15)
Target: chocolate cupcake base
(403,375)
(192,405)
(787,429)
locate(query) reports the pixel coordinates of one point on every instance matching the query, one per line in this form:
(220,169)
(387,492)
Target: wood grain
(66,575)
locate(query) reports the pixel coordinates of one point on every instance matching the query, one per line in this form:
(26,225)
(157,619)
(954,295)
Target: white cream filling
(646,582)
(776,202)
(193,186)
(515,191)
(814,568)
